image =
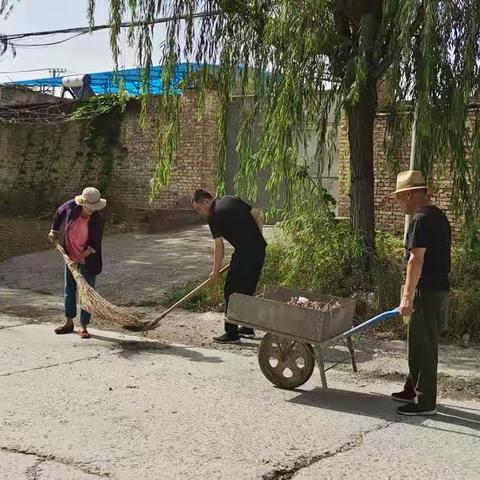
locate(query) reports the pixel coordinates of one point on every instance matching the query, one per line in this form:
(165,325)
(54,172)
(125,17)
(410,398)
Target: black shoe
(226,339)
(246,332)
(414,410)
(404,397)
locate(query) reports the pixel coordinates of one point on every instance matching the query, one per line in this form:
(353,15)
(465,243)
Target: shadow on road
(132,348)
(382,407)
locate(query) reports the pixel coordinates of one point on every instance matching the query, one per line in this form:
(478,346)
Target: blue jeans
(71,294)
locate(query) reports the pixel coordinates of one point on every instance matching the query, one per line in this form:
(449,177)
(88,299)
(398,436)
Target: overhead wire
(31,70)
(83,30)
(33,45)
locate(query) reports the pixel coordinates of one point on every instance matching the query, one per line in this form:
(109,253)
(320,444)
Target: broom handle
(184,299)
(68,260)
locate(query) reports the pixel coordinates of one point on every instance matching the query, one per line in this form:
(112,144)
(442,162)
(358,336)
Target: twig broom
(91,301)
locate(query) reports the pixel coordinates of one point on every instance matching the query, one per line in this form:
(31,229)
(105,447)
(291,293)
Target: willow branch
(383,65)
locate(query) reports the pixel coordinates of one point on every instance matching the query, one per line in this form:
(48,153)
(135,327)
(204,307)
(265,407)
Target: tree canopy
(304,59)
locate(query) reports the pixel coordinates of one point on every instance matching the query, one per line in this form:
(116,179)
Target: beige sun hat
(91,198)
(409,180)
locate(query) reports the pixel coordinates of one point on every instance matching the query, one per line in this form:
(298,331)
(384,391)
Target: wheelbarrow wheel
(286,363)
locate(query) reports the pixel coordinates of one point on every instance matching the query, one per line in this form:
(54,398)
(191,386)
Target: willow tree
(303,60)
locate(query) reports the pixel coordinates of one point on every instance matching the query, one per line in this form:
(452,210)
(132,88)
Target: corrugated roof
(108,82)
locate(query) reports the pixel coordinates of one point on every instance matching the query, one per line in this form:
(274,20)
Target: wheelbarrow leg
(321,365)
(351,350)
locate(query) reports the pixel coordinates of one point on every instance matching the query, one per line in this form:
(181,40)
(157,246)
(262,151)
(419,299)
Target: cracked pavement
(123,407)
(27,464)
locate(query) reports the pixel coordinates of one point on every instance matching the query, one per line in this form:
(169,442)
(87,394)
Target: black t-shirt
(231,218)
(430,229)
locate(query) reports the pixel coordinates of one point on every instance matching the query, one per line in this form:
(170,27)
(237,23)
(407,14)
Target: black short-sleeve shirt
(430,229)
(231,218)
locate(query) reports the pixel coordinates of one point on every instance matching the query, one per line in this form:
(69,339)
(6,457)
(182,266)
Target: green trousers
(427,321)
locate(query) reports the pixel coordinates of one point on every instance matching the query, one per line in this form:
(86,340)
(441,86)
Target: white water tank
(77,81)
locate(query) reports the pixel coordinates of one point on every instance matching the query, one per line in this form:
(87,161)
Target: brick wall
(387,215)
(343,199)
(41,166)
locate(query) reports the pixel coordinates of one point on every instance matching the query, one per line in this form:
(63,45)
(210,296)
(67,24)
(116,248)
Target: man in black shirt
(425,296)
(230,218)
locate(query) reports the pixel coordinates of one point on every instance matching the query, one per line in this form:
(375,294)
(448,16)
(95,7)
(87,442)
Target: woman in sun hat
(83,233)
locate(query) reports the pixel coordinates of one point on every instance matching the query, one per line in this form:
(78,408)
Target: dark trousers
(71,294)
(427,321)
(243,275)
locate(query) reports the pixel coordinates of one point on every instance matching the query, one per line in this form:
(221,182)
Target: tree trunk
(361,118)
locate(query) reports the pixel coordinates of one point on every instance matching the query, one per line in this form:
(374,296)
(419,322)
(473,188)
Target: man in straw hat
(425,295)
(83,227)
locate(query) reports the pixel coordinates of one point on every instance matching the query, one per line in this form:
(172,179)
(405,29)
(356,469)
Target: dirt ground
(139,269)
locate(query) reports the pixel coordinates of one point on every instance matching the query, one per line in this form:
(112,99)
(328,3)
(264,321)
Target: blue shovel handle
(373,321)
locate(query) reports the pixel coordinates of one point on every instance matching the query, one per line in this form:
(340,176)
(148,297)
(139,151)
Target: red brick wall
(195,165)
(343,199)
(387,215)
(42,165)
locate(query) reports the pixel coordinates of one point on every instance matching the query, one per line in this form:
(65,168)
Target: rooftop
(109,82)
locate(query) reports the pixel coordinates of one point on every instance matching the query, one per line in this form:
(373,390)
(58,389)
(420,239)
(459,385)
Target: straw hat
(409,180)
(91,198)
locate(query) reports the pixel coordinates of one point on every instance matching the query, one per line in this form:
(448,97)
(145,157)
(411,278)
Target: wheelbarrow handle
(373,321)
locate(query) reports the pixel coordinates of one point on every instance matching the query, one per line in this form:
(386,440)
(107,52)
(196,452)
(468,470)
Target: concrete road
(128,408)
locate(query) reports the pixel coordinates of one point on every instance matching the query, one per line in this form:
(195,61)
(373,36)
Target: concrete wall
(327,171)
(234,122)
(19,95)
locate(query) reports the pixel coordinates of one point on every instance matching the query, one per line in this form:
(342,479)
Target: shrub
(465,295)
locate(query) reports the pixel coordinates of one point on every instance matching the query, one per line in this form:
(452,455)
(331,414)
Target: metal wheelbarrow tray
(295,335)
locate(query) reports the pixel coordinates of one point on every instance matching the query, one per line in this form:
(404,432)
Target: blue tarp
(108,82)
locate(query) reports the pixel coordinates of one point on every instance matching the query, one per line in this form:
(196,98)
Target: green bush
(209,300)
(315,252)
(465,295)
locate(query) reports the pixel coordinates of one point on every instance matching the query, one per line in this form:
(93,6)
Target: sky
(86,54)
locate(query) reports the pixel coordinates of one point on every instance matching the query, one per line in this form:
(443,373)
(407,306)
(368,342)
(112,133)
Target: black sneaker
(246,332)
(226,339)
(414,410)
(404,397)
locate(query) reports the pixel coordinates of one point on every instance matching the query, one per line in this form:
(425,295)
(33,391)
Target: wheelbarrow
(297,336)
